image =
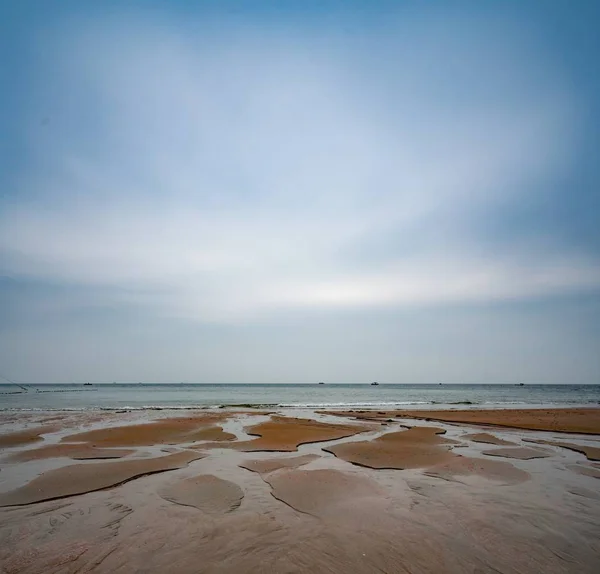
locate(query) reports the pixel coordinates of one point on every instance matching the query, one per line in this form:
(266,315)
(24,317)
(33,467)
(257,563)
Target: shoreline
(368,406)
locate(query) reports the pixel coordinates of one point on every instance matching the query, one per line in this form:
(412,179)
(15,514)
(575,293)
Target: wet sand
(417,447)
(205,492)
(73,451)
(267,466)
(493,470)
(591,452)
(167,431)
(24,437)
(322,492)
(578,420)
(423,447)
(520,453)
(84,478)
(586,471)
(389,499)
(487,438)
(284,434)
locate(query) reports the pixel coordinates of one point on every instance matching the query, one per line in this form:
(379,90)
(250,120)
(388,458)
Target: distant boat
(374,384)
(520,385)
(321,383)
(87,384)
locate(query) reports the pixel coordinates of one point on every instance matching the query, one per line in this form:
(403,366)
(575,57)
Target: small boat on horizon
(375,384)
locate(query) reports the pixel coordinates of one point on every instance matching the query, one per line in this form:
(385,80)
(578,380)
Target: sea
(139,396)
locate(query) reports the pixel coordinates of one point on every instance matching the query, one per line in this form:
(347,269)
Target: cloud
(224,177)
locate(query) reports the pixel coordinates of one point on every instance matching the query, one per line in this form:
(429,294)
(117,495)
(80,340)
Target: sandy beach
(301,490)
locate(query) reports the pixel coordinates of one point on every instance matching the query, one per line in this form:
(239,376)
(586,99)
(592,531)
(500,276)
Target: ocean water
(188,396)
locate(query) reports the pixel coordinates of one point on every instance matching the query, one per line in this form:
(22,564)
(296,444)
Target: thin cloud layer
(233,178)
(232,173)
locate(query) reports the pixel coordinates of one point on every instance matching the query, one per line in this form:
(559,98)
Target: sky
(298,191)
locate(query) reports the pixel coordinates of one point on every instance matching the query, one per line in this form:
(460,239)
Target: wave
(302,405)
(221,406)
(365,404)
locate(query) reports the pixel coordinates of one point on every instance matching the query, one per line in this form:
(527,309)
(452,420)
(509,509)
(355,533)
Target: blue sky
(289,192)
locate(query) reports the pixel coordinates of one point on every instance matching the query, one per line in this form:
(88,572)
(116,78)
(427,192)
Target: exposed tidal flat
(300,490)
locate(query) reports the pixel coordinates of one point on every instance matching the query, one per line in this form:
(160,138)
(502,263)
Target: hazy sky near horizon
(289,192)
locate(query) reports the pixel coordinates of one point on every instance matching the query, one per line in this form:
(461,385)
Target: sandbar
(417,447)
(82,478)
(321,492)
(423,447)
(519,452)
(164,431)
(591,452)
(26,436)
(73,451)
(487,438)
(585,470)
(285,434)
(273,464)
(577,420)
(206,492)
(495,470)
(584,420)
